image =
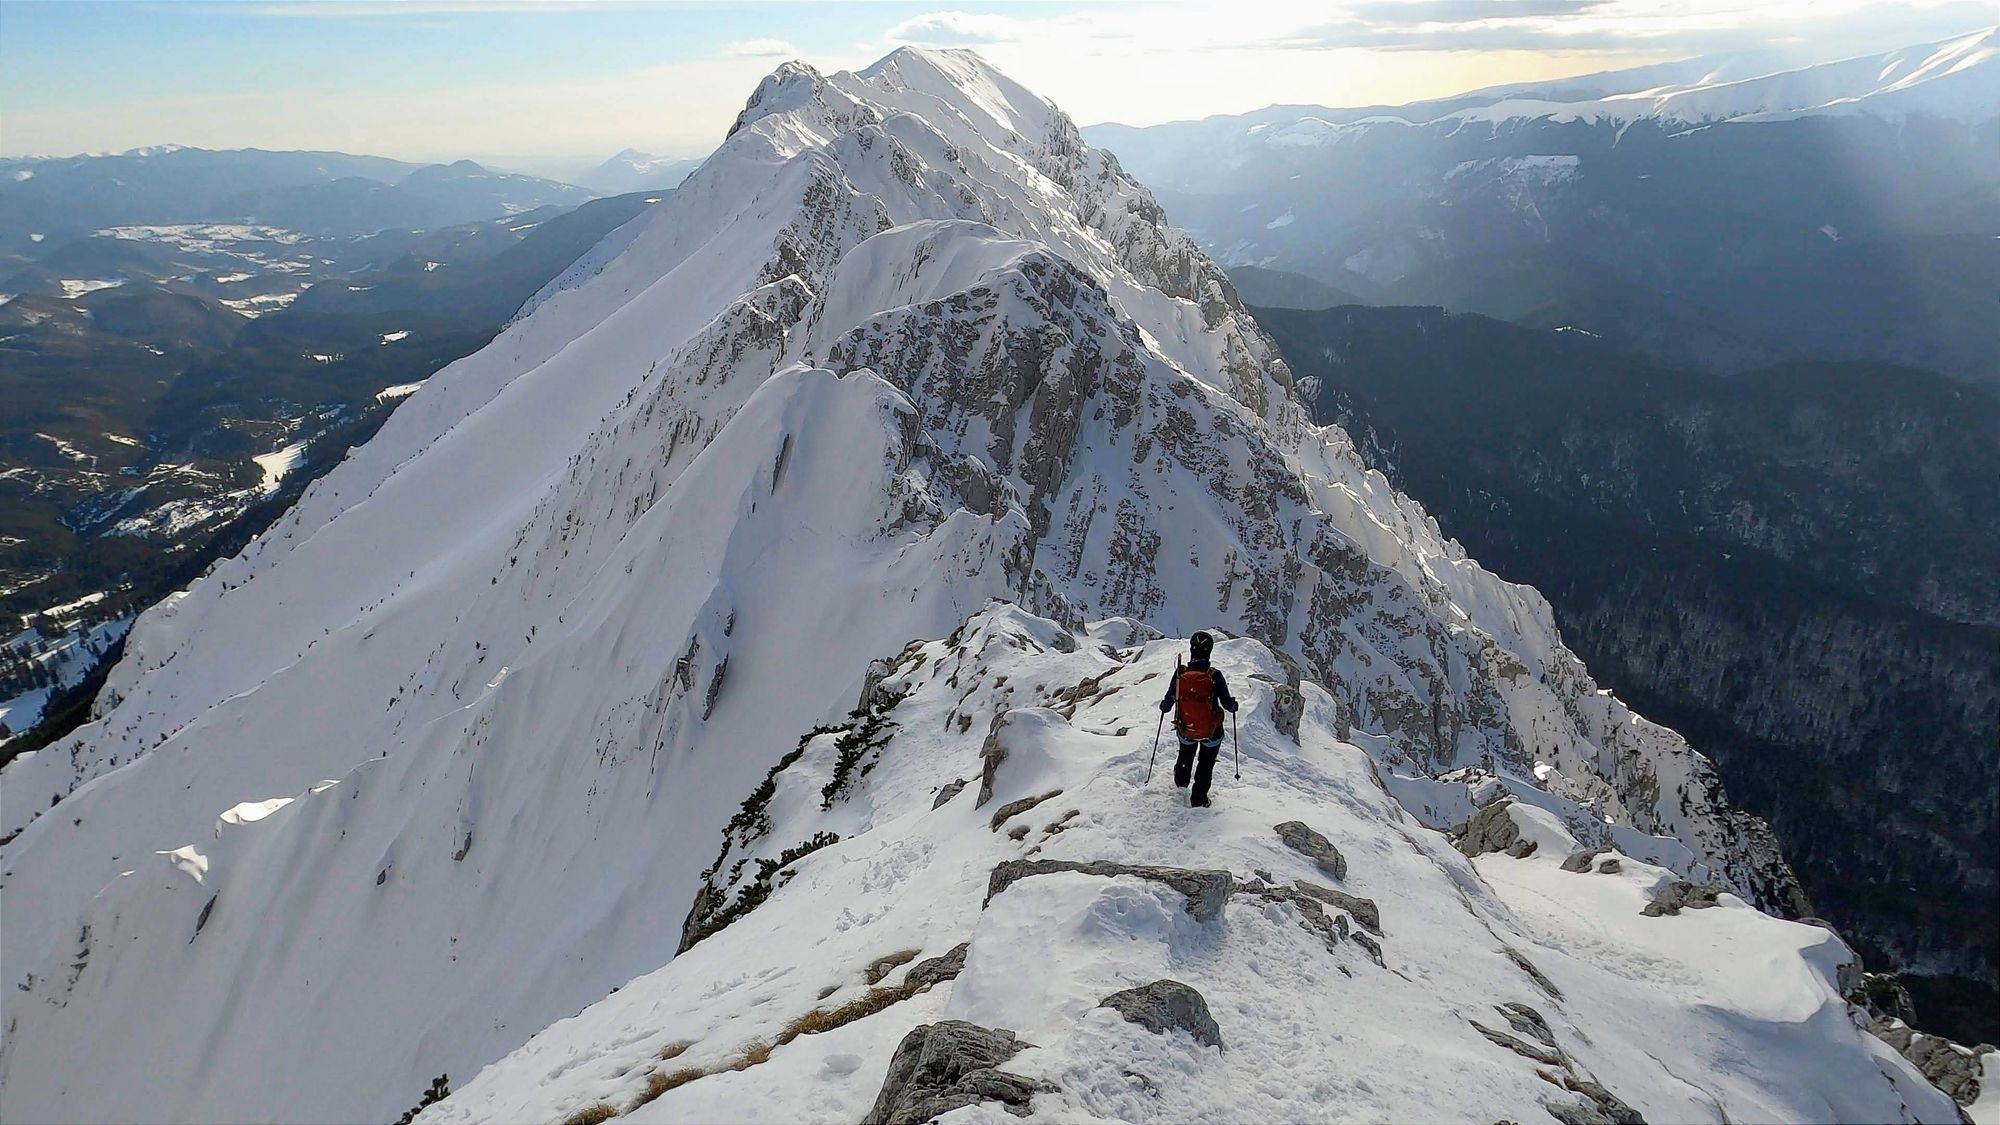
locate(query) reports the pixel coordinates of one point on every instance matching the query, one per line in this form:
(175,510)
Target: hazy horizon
(558,85)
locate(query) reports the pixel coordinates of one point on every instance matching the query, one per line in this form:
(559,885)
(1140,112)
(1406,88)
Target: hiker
(1198,695)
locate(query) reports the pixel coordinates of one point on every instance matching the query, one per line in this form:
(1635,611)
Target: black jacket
(1222,695)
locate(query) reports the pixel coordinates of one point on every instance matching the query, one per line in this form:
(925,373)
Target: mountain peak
(906,407)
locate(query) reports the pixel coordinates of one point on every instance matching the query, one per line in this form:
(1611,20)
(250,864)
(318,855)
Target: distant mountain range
(171,388)
(58,199)
(1738,554)
(1695,213)
(633,170)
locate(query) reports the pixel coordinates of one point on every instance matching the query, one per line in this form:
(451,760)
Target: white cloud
(760,49)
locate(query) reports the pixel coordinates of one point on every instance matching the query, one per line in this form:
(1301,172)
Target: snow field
(516,661)
(1309,1034)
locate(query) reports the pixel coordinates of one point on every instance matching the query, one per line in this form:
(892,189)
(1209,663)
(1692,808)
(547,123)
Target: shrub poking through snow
(660,1081)
(857,746)
(879,996)
(755,1052)
(675,1049)
(879,969)
(592,1114)
(711,918)
(439,1091)
(860,745)
(820,1020)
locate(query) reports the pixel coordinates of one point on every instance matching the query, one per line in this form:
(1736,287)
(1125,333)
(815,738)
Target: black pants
(1203,770)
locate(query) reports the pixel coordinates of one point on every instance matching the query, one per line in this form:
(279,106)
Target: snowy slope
(632,170)
(1716,1015)
(903,345)
(1957,79)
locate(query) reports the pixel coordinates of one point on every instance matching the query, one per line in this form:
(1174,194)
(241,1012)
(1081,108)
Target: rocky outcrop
(991,753)
(1535,974)
(1206,891)
(948,792)
(1166,1005)
(939,1067)
(1678,895)
(936,970)
(1014,808)
(1363,910)
(1492,829)
(1596,1106)
(1313,846)
(1954,1069)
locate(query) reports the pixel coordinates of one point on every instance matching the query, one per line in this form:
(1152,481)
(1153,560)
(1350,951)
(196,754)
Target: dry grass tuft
(826,1019)
(883,966)
(754,1052)
(659,1082)
(592,1114)
(676,1049)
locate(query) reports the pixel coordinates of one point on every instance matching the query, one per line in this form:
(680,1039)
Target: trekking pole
(1156,747)
(1238,732)
(1162,726)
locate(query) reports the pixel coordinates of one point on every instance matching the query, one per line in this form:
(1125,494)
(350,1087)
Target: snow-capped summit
(864,488)
(633,170)
(1954,79)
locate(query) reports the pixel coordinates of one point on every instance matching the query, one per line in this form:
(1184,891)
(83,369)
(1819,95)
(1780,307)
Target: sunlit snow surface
(1723,1011)
(278,462)
(520,657)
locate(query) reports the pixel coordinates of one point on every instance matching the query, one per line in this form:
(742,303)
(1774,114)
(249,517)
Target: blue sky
(547,80)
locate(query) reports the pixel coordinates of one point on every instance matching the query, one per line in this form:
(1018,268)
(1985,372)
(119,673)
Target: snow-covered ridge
(1957,79)
(903,345)
(1399,981)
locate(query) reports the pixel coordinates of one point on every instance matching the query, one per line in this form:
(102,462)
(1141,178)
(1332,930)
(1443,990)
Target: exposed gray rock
(1206,891)
(1581,859)
(1528,1021)
(1313,846)
(948,792)
(1543,1055)
(1364,910)
(1492,829)
(1588,1111)
(1311,902)
(991,754)
(939,1067)
(1610,866)
(937,970)
(1678,895)
(1373,947)
(1608,1108)
(1015,808)
(1950,1067)
(1542,982)
(691,925)
(1288,707)
(1165,1005)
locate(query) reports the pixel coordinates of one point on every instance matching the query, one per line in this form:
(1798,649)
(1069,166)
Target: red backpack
(1196,717)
